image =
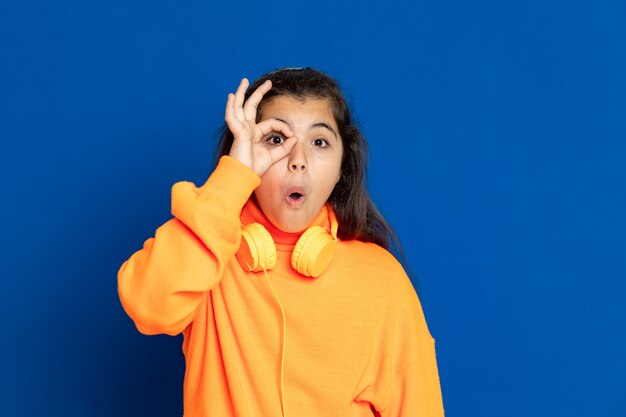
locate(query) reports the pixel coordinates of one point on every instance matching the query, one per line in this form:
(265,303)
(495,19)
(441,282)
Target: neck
(252,213)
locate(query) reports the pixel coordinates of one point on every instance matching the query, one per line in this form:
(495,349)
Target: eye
(274,139)
(322,143)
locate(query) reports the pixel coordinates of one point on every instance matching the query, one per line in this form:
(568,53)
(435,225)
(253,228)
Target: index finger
(253,101)
(274,125)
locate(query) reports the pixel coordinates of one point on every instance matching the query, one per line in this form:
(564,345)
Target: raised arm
(162,285)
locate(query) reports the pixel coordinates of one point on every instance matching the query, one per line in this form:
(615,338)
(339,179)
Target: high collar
(252,213)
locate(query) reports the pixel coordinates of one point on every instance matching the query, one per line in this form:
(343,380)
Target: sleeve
(401,376)
(161,285)
(415,390)
(415,387)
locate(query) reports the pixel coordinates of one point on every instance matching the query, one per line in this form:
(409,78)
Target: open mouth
(295,196)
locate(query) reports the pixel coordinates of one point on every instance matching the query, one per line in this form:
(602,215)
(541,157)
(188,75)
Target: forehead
(298,110)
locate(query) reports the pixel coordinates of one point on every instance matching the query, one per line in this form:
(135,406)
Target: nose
(297,158)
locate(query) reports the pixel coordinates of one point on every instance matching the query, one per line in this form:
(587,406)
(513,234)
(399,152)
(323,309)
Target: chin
(293,228)
(291,225)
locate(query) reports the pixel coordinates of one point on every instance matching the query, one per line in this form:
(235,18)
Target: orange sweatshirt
(352,342)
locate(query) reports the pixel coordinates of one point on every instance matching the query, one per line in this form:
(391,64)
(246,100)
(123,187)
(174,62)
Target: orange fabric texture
(352,342)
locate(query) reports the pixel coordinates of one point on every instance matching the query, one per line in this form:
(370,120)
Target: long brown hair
(357,215)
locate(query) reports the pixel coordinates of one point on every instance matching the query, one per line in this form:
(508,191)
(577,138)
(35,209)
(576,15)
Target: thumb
(289,144)
(279,152)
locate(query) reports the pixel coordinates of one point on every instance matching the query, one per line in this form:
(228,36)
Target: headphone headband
(311,255)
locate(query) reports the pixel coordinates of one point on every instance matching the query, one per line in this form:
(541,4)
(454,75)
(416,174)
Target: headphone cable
(282,359)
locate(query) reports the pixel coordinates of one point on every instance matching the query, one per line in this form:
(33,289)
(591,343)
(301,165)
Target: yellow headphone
(311,255)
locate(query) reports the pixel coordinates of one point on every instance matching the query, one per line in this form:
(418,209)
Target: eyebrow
(317,124)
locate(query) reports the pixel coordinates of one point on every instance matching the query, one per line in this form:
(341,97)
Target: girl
(276,270)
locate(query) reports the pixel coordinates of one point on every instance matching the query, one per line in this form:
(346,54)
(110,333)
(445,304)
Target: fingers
(278,152)
(239,97)
(233,124)
(241,120)
(248,110)
(228,114)
(274,125)
(253,101)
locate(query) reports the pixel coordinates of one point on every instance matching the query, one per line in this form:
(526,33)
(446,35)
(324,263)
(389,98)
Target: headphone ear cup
(257,249)
(313,252)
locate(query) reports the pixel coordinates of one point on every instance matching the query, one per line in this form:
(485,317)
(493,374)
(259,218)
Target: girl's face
(294,190)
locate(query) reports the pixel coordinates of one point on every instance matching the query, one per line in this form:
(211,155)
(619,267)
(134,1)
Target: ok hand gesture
(249,146)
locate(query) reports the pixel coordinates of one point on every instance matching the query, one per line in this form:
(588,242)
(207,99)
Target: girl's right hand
(249,146)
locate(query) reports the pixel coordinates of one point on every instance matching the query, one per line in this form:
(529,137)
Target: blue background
(497,133)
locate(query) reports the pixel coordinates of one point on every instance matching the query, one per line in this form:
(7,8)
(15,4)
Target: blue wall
(509,118)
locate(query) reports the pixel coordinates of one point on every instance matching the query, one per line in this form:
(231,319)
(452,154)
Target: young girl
(276,270)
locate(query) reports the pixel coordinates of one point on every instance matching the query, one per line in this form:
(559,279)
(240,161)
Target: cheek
(269,185)
(333,176)
(338,169)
